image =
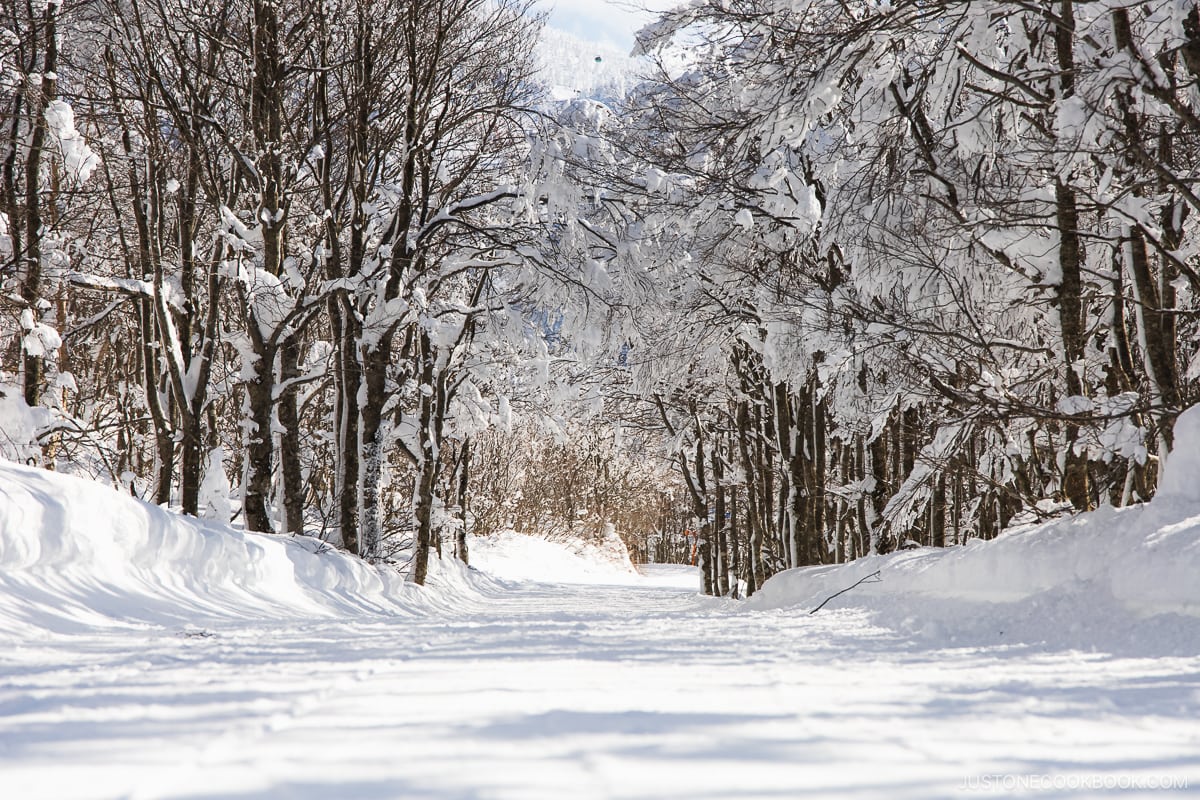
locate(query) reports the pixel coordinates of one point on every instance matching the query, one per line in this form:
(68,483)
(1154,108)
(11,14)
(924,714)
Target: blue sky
(614,23)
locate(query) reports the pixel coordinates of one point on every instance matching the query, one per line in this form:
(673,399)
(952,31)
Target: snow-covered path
(537,691)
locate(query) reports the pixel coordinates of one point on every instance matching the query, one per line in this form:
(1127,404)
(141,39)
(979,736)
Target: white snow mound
(1106,579)
(75,554)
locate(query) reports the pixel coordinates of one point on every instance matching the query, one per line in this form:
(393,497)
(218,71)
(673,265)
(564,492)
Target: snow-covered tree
(44,161)
(950,236)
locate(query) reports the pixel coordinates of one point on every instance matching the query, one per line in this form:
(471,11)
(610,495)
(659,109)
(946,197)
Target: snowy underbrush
(1114,580)
(19,424)
(511,555)
(76,555)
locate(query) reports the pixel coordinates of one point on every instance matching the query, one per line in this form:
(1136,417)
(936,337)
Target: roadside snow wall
(75,554)
(1102,579)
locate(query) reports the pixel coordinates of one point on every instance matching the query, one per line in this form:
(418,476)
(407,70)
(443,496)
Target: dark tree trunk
(819,526)
(720,556)
(31,274)
(1070,309)
(259,446)
(464,497)
(426,484)
(432,415)
(266,119)
(937,517)
(1070,289)
(164,442)
(371,433)
(191,463)
(754,566)
(879,493)
(290,465)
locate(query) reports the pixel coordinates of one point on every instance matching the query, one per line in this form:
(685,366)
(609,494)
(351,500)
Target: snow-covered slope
(571,67)
(76,554)
(516,556)
(1112,579)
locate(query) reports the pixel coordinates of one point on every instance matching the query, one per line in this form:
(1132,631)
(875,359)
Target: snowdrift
(1126,579)
(75,555)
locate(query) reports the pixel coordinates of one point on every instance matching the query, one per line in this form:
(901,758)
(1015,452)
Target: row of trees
(860,275)
(919,269)
(270,247)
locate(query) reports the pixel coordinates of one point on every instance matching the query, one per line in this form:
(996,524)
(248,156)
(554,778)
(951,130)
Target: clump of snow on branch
(79,159)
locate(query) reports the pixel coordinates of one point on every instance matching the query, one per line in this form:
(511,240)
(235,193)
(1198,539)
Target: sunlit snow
(152,657)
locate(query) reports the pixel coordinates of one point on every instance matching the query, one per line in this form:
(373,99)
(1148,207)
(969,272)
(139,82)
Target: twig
(874,575)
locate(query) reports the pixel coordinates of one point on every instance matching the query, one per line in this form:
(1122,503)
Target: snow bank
(1109,579)
(75,555)
(516,556)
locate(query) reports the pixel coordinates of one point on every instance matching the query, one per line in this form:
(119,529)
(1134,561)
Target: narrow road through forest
(570,692)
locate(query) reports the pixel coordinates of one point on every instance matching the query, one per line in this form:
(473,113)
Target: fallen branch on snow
(872,578)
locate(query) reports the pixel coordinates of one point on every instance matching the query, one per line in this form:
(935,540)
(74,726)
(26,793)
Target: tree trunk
(862,539)
(754,566)
(290,465)
(372,435)
(879,493)
(347,417)
(1070,262)
(845,460)
(31,277)
(426,483)
(164,442)
(1155,298)
(266,120)
(720,558)
(792,483)
(344,333)
(818,548)
(259,458)
(192,456)
(937,516)
(460,538)
(735,566)
(432,416)
(1070,309)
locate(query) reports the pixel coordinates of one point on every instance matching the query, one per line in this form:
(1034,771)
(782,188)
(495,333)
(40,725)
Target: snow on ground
(582,692)
(148,657)
(515,556)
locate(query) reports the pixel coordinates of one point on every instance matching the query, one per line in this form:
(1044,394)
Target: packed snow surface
(150,657)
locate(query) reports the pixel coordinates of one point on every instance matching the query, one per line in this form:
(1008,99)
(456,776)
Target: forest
(831,278)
